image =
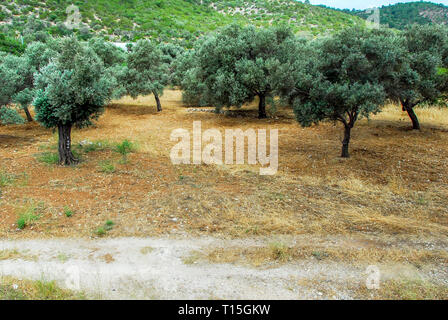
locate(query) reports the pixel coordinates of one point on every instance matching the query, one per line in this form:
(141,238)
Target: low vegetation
(14,289)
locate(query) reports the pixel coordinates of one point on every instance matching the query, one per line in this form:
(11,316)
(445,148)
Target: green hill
(124,20)
(400,15)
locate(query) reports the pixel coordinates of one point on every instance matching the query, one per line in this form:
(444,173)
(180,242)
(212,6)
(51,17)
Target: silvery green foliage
(147,72)
(9,81)
(172,54)
(17,74)
(235,65)
(340,78)
(10,116)
(110,54)
(426,55)
(22,68)
(73,88)
(114,60)
(39,54)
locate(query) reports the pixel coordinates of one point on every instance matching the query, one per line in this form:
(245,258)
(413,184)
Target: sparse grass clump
(6,179)
(92,146)
(107,166)
(109,225)
(125,148)
(27,216)
(68,212)
(102,231)
(49,158)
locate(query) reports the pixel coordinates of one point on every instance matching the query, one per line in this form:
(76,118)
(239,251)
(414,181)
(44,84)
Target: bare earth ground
(321,220)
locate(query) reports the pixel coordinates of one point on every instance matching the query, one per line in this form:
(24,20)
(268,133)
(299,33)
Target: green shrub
(100,231)
(27,217)
(109,224)
(68,212)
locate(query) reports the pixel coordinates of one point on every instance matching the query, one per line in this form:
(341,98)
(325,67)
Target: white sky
(363,4)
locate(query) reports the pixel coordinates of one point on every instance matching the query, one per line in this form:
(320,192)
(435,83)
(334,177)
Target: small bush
(100,231)
(109,224)
(68,212)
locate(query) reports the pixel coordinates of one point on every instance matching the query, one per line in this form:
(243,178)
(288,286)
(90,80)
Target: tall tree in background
(340,78)
(147,72)
(235,66)
(421,78)
(73,90)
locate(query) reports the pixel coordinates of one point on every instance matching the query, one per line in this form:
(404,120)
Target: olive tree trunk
(262,107)
(409,108)
(414,119)
(28,114)
(346,142)
(159,105)
(66,157)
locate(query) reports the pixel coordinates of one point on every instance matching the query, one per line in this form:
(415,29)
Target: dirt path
(160,269)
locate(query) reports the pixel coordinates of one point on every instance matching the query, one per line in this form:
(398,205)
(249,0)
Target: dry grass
(404,290)
(278,253)
(395,184)
(14,254)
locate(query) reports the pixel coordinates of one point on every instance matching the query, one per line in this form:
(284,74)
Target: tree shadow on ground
(132,109)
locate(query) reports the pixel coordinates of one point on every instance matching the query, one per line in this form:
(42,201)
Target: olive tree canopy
(235,65)
(73,90)
(340,78)
(421,77)
(147,71)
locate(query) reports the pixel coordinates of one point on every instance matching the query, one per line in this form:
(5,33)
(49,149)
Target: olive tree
(421,78)
(147,72)
(24,67)
(8,84)
(340,78)
(110,54)
(21,91)
(73,90)
(235,66)
(172,55)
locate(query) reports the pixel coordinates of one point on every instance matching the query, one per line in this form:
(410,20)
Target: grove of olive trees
(343,77)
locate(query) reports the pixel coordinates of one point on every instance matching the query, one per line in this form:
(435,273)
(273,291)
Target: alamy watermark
(374,18)
(73,17)
(207,147)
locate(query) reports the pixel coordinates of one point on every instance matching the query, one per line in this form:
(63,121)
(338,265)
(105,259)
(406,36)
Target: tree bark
(346,142)
(66,157)
(262,107)
(28,114)
(159,105)
(414,119)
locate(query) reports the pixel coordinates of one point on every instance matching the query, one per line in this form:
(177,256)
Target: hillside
(402,14)
(169,19)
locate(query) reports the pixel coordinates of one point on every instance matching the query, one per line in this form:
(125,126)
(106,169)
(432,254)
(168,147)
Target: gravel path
(131,268)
